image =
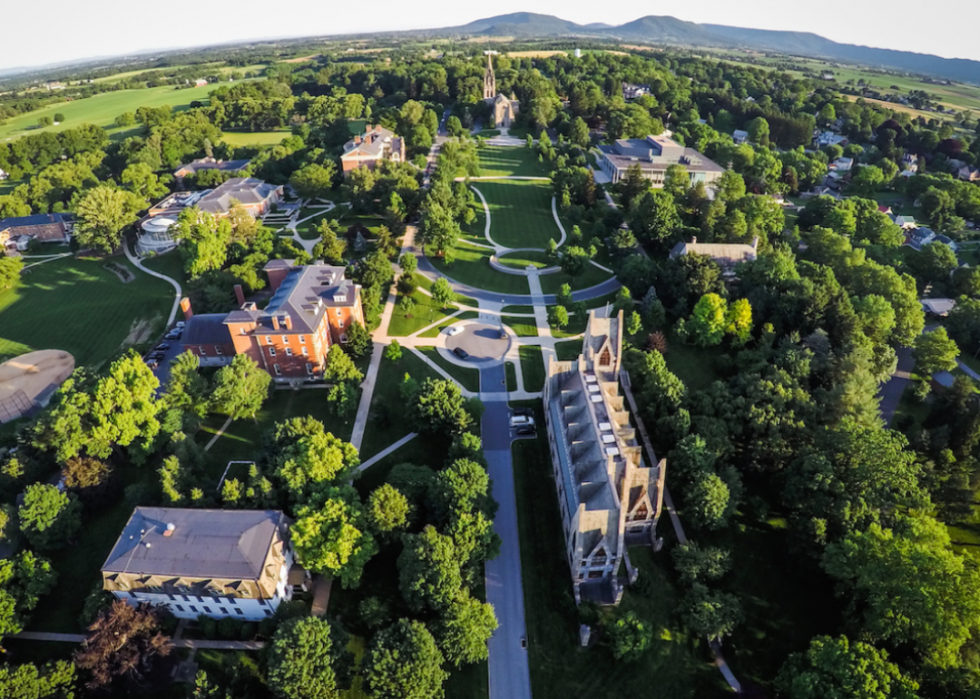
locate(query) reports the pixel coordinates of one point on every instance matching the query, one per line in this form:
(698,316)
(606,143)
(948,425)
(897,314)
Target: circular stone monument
(27,381)
(481,340)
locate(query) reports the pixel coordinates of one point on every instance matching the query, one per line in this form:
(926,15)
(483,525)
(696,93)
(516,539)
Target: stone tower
(489,81)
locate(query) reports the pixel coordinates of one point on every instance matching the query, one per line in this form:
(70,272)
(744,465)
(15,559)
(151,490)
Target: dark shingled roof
(204,543)
(207,329)
(35,220)
(306,293)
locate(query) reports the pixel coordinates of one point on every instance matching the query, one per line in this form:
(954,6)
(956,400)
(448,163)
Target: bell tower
(489,79)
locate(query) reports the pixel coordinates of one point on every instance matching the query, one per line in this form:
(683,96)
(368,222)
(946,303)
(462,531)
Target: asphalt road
(510,676)
(162,371)
(890,392)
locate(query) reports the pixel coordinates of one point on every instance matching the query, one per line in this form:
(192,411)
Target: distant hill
(669,30)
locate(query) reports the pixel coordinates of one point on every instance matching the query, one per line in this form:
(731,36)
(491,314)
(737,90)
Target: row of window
(289,351)
(278,370)
(223,610)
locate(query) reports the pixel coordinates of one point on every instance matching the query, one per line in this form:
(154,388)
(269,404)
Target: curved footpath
(173,282)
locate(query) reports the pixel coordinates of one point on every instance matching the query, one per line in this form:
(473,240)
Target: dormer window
(340,299)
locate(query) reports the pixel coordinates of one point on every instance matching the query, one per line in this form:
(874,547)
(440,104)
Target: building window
(223,610)
(289,351)
(268,339)
(340,323)
(171,598)
(194,609)
(306,351)
(262,601)
(272,351)
(343,338)
(285,340)
(186,598)
(309,369)
(203,352)
(302,339)
(232,600)
(200,599)
(217,350)
(132,594)
(239,612)
(276,368)
(179,608)
(268,613)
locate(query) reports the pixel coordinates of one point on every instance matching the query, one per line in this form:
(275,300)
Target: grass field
(387,423)
(520,213)
(170,264)
(80,307)
(560,668)
(522,327)
(102,110)
(502,161)
(532,367)
(697,367)
(592,275)
(253,138)
(511,376)
(466,377)
(425,312)
(472,266)
(524,259)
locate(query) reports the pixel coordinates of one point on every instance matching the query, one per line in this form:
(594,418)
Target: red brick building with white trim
(312,308)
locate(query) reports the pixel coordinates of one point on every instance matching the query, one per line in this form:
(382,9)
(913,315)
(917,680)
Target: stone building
(503,110)
(608,496)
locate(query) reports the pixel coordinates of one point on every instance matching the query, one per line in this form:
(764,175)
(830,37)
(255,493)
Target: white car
(522,421)
(454,330)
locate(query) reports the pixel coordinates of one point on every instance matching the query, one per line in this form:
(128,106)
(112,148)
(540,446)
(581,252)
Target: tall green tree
(49,517)
(301,657)
(706,327)
(240,388)
(935,351)
(103,212)
(464,629)
(404,662)
(429,571)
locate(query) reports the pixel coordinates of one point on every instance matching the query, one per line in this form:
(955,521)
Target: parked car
(179,325)
(173,335)
(163,346)
(461,353)
(503,334)
(453,330)
(525,431)
(152,363)
(522,421)
(155,355)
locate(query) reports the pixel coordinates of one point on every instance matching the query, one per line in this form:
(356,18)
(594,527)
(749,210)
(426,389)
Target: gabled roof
(35,220)
(247,190)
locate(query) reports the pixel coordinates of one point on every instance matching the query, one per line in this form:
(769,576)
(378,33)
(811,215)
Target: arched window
(605,359)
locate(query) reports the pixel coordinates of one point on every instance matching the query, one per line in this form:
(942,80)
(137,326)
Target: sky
(80,29)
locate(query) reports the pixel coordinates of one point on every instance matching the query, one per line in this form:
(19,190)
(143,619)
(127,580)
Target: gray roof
(204,543)
(35,220)
(206,329)
(657,153)
(247,190)
(373,142)
(306,293)
(196,166)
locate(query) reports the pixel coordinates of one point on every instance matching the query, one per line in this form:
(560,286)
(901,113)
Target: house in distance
(220,563)
(376,145)
(654,154)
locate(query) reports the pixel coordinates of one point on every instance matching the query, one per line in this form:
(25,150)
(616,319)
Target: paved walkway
(384,452)
(173,282)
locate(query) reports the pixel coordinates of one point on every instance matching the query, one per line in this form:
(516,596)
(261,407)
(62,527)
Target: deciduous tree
(404,662)
(240,388)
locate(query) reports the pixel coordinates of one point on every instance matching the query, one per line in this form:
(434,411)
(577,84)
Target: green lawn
(472,266)
(576,326)
(424,283)
(80,307)
(466,377)
(590,276)
(496,161)
(524,259)
(254,138)
(387,423)
(169,263)
(532,367)
(560,668)
(697,367)
(523,327)
(425,312)
(568,350)
(520,213)
(102,109)
(511,376)
(518,309)
(434,332)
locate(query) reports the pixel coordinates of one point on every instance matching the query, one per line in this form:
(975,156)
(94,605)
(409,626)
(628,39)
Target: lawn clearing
(559,666)
(239,139)
(590,276)
(243,439)
(520,213)
(169,263)
(425,312)
(102,110)
(532,367)
(697,367)
(386,422)
(472,266)
(502,161)
(465,377)
(511,376)
(78,306)
(524,259)
(518,309)
(522,327)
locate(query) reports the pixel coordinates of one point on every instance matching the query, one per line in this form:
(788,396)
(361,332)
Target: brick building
(377,143)
(312,308)
(17,232)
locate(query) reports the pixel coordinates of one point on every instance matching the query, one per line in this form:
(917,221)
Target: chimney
(275,322)
(288,321)
(694,239)
(169,531)
(755,243)
(239,295)
(357,140)
(185,306)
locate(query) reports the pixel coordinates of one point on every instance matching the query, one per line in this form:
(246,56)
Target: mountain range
(670,30)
